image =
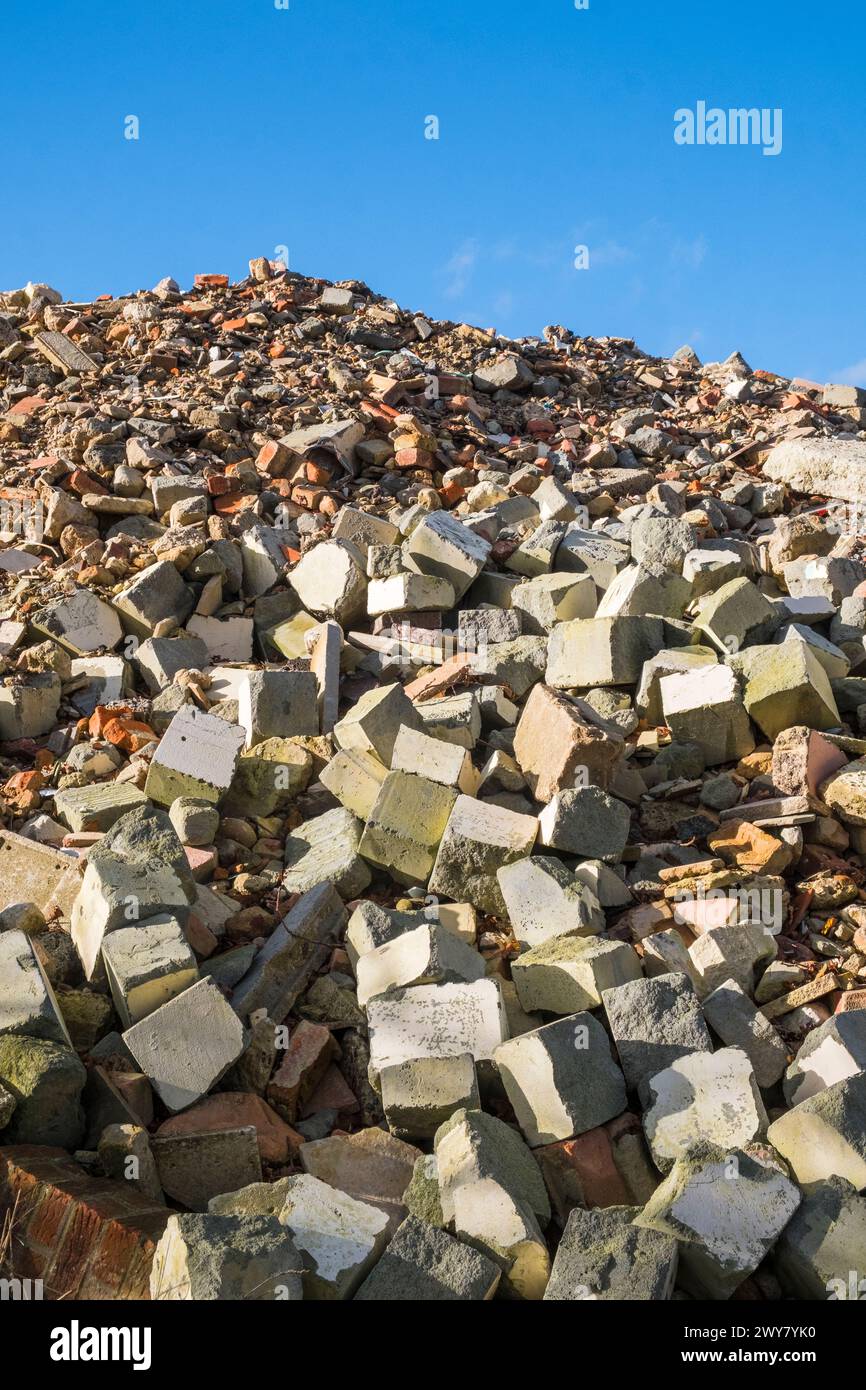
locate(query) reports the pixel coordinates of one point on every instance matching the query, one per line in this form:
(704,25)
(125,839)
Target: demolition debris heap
(434,807)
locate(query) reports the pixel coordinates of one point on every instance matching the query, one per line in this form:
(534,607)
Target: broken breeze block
(726,1210)
(492,1195)
(787,685)
(561,1079)
(825,1136)
(27,1003)
(435,1021)
(421,1094)
(118,892)
(441,545)
(479,839)
(710,1096)
(201,1257)
(543,899)
(423,1264)
(823,1244)
(278,704)
(147,965)
(26,711)
(654,1023)
(830,1053)
(187,1044)
(430,954)
(326,849)
(554,743)
(338,1238)
(603,1256)
(354,779)
(197,756)
(703,706)
(601,651)
(374,722)
(406,825)
(567,974)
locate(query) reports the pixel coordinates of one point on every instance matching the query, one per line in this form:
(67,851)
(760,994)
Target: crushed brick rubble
(433,830)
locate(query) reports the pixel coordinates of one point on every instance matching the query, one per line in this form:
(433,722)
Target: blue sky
(304,127)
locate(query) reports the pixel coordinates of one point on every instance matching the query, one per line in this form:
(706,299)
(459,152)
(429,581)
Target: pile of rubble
(434,806)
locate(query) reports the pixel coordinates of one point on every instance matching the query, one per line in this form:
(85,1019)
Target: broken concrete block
(492,1196)
(726,1211)
(146,965)
(226,639)
(435,1021)
(678,660)
(267,779)
(197,756)
(187,1044)
(374,722)
(262,557)
(26,711)
(194,1168)
(372,1166)
(825,1135)
(125,1154)
(203,1257)
(96,807)
(339,1239)
(802,760)
(158,594)
(292,954)
(330,581)
(585,821)
(28,1007)
(428,955)
(160,659)
(46,1080)
(832,1052)
(654,1023)
(636,591)
(479,839)
(730,953)
(419,1095)
(408,592)
(703,706)
(845,793)
(549,599)
(736,615)
(822,1245)
(278,704)
(325,654)
(544,900)
(561,1079)
(435,759)
(711,1096)
(80,623)
(566,974)
(555,740)
(787,685)
(355,778)
(601,651)
(405,826)
(454,719)
(326,849)
(119,892)
(442,547)
(425,1264)
(734,1018)
(603,1256)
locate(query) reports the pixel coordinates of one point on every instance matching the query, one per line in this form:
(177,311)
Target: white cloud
(460,267)
(854,375)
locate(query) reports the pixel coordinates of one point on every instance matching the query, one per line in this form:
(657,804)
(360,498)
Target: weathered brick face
(83,1237)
